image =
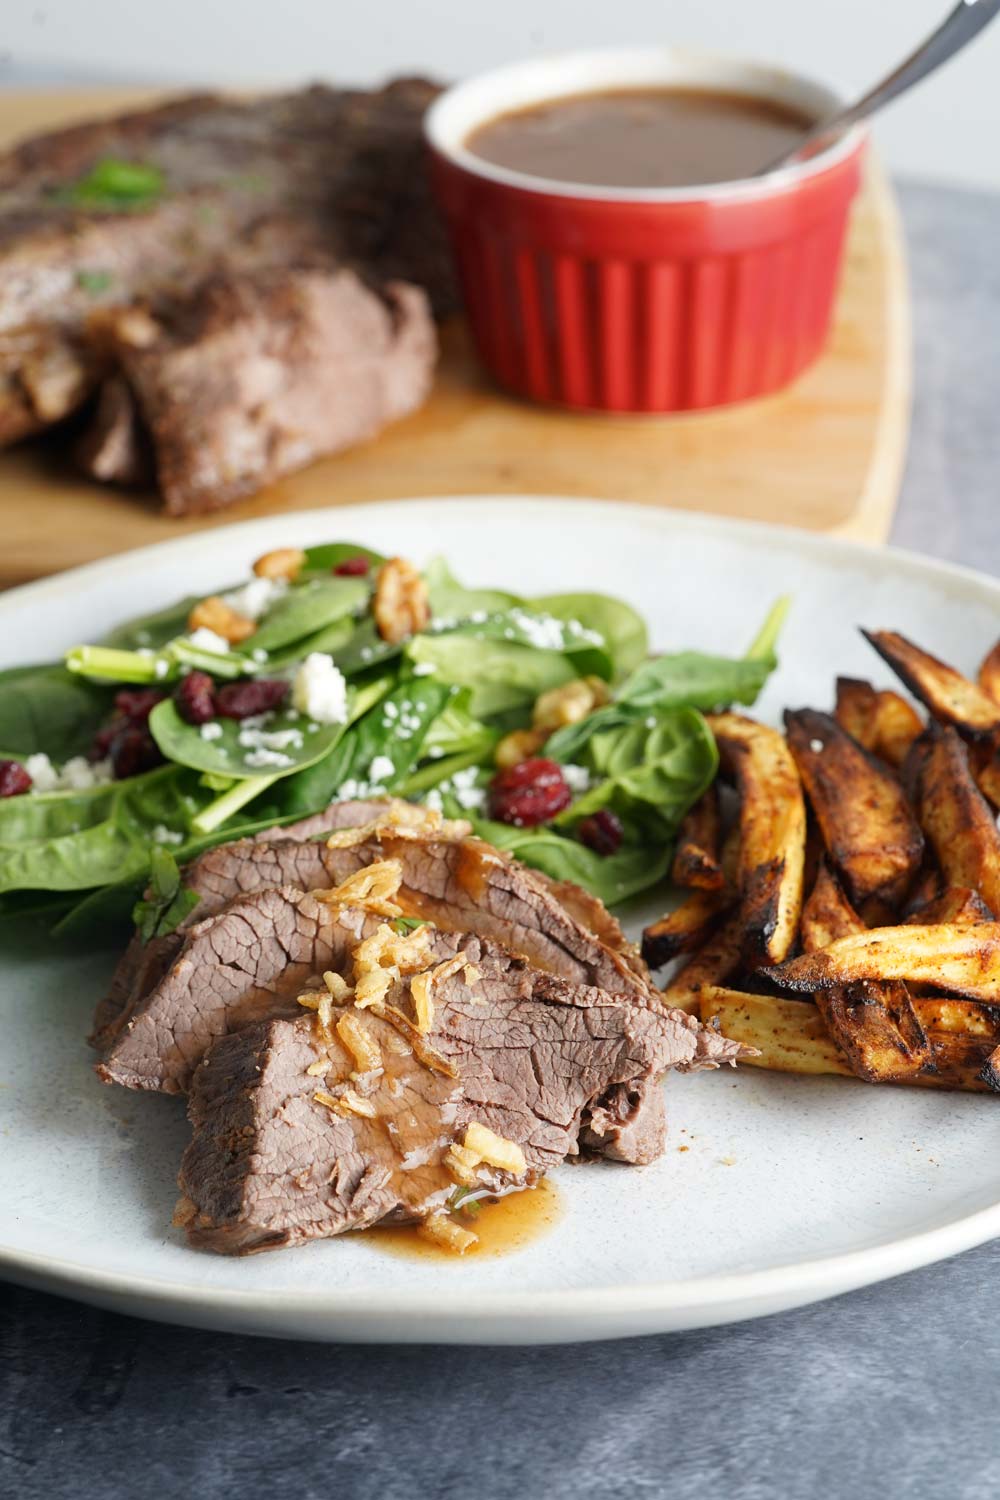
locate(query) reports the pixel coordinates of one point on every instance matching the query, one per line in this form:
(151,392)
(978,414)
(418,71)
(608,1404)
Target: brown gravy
(642,138)
(503,1226)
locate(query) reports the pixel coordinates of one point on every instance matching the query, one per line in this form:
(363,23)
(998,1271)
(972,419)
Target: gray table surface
(886,1392)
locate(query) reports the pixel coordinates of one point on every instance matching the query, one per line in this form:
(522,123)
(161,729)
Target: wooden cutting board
(826,455)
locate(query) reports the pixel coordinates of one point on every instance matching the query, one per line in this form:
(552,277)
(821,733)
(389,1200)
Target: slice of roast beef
(527,1055)
(259,373)
(143,964)
(336,169)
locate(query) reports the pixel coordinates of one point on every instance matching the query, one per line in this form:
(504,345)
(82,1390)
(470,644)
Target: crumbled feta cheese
(275,739)
(258,654)
(381,769)
(261,759)
(162,668)
(256,597)
(211,731)
(164,835)
(434,800)
(424,669)
(204,639)
(651,721)
(391,711)
(577,778)
(77,775)
(320,690)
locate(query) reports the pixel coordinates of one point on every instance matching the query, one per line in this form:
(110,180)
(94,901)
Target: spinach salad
(546,722)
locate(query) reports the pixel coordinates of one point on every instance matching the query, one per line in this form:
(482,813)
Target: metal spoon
(965,21)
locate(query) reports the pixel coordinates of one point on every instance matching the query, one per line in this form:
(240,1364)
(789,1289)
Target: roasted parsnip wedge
(897,725)
(696,859)
(955,815)
(874,1025)
(989,673)
(960,958)
(856,710)
(789,1035)
(772,828)
(939,1013)
(867,826)
(990,1073)
(685,928)
(715,962)
(951,698)
(956,904)
(984,761)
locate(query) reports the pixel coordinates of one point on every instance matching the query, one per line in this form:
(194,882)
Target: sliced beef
(534,1059)
(114,449)
(251,960)
(260,373)
(247,187)
(217,873)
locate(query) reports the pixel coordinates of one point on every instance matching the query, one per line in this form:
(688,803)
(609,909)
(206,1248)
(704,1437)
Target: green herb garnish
(463,1202)
(116,184)
(168,902)
(94,282)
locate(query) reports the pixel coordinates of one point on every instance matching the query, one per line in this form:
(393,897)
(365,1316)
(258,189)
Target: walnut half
(401,606)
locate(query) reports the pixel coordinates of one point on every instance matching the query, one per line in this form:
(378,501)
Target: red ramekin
(642,299)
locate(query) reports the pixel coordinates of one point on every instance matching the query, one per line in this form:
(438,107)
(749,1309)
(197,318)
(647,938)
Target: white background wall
(948,129)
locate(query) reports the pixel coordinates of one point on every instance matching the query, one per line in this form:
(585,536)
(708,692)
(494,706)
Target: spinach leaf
(697,681)
(651,776)
(411,708)
(298,740)
(501,674)
(450,600)
(365,649)
(325,557)
(455,730)
(612,878)
(305,609)
(152,631)
(168,902)
(47,815)
(48,709)
(624,631)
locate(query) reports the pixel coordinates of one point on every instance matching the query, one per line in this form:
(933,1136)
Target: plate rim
(561,1312)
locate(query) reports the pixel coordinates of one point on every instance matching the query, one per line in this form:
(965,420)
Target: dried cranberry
(105,738)
(531,792)
(195,698)
(241,700)
(352,567)
(136,704)
(132,751)
(602,832)
(14,779)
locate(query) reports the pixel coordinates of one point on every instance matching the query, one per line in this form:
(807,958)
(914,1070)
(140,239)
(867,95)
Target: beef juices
(642,138)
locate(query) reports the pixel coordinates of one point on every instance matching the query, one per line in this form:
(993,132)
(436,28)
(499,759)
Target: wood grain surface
(827,454)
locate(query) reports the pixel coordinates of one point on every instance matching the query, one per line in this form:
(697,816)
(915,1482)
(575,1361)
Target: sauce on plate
(642,138)
(503,1225)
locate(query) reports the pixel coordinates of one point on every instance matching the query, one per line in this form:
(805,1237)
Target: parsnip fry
(943,1013)
(984,761)
(961,958)
(874,1025)
(790,1037)
(955,815)
(870,833)
(856,710)
(788,1034)
(990,1073)
(951,698)
(772,834)
(897,725)
(956,904)
(713,964)
(696,858)
(989,673)
(685,928)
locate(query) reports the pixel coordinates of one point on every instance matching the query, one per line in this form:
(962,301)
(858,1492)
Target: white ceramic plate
(789,1190)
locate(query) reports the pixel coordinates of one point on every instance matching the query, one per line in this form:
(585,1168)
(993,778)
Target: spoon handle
(957,29)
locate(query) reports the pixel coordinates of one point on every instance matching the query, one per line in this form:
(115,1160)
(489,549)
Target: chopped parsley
(94,282)
(115,184)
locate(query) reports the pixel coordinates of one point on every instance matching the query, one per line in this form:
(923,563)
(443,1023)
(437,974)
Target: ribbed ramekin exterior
(647,307)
